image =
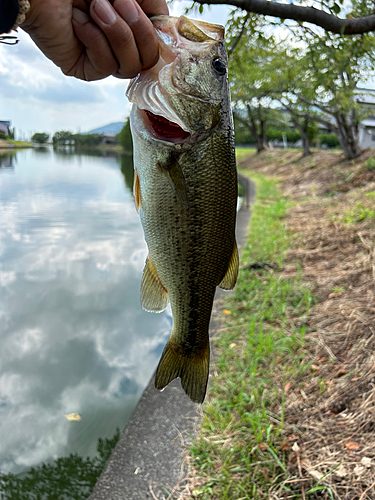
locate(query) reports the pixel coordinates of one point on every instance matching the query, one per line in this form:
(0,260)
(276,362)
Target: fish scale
(186,191)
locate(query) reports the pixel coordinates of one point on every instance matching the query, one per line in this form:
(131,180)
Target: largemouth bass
(185,189)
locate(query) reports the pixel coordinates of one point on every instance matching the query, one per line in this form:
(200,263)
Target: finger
(119,35)
(143,31)
(154,7)
(97,61)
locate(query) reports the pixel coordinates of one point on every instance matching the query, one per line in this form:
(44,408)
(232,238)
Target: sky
(37,97)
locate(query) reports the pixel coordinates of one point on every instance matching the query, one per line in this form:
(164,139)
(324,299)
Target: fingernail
(104,11)
(79,16)
(130,13)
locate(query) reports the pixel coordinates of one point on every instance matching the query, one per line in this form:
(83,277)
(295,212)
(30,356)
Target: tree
(124,137)
(254,79)
(303,123)
(62,137)
(87,140)
(40,137)
(328,76)
(315,77)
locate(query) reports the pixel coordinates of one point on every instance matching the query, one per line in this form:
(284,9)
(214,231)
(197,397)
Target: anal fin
(230,278)
(154,297)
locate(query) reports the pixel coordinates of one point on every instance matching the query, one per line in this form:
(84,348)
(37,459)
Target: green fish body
(185,190)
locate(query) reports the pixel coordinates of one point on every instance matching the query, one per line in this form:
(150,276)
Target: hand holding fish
(91,40)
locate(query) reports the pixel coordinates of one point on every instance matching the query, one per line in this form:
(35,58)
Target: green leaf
(201,9)
(336,8)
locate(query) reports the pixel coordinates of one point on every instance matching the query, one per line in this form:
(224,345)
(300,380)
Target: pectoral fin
(154,297)
(230,278)
(137,190)
(177,180)
(175,176)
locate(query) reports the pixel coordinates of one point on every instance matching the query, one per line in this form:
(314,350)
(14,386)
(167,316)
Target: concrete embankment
(149,454)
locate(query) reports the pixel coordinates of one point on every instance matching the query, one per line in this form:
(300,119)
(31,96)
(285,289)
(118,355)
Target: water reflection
(127,171)
(42,151)
(7,160)
(73,335)
(68,478)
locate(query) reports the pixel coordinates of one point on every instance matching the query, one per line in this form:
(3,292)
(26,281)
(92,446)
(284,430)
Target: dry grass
(330,413)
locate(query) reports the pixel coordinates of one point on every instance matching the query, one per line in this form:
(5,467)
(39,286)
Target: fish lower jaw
(162,129)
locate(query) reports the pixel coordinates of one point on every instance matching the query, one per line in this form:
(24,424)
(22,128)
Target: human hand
(93,39)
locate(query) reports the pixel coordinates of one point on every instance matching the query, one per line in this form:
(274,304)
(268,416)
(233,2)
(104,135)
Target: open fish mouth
(149,90)
(146,92)
(165,129)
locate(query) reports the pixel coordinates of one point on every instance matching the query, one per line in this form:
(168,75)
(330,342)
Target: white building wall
(367,138)
(4,128)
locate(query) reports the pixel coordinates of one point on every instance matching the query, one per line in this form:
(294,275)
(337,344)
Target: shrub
(329,140)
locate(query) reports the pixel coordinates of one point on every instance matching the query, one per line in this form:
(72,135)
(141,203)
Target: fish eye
(219,66)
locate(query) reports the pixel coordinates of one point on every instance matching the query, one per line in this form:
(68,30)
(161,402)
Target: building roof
(365,96)
(368,122)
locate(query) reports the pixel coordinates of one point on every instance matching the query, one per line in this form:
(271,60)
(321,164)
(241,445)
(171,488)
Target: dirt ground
(330,411)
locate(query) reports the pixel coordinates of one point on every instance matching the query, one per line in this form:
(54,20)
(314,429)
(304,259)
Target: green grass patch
(243,152)
(358,213)
(370,163)
(20,144)
(238,452)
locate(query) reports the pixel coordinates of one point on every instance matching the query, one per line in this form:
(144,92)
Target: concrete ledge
(149,454)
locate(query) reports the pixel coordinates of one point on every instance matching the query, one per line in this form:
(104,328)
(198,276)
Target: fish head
(186,94)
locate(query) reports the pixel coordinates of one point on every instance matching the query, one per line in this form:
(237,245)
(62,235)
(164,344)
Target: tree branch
(315,104)
(329,22)
(310,116)
(239,36)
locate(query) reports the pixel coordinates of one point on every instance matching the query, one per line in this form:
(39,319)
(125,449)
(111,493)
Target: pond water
(74,338)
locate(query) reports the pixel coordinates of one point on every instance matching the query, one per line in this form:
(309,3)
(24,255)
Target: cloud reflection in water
(73,335)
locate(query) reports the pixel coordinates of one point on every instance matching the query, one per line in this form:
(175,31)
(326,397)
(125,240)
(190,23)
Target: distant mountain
(111,128)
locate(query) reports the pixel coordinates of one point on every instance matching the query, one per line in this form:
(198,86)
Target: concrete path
(149,454)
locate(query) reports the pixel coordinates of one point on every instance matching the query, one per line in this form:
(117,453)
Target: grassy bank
(239,451)
(20,144)
(291,404)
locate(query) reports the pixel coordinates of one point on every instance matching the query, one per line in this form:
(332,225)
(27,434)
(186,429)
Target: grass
(238,453)
(370,163)
(242,152)
(20,144)
(358,213)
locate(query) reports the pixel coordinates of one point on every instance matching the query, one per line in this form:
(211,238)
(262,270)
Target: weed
(358,214)
(370,163)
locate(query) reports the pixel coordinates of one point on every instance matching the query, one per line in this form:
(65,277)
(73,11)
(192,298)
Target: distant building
(366,98)
(5,127)
(109,138)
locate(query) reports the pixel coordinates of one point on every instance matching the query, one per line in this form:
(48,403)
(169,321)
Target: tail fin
(193,371)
